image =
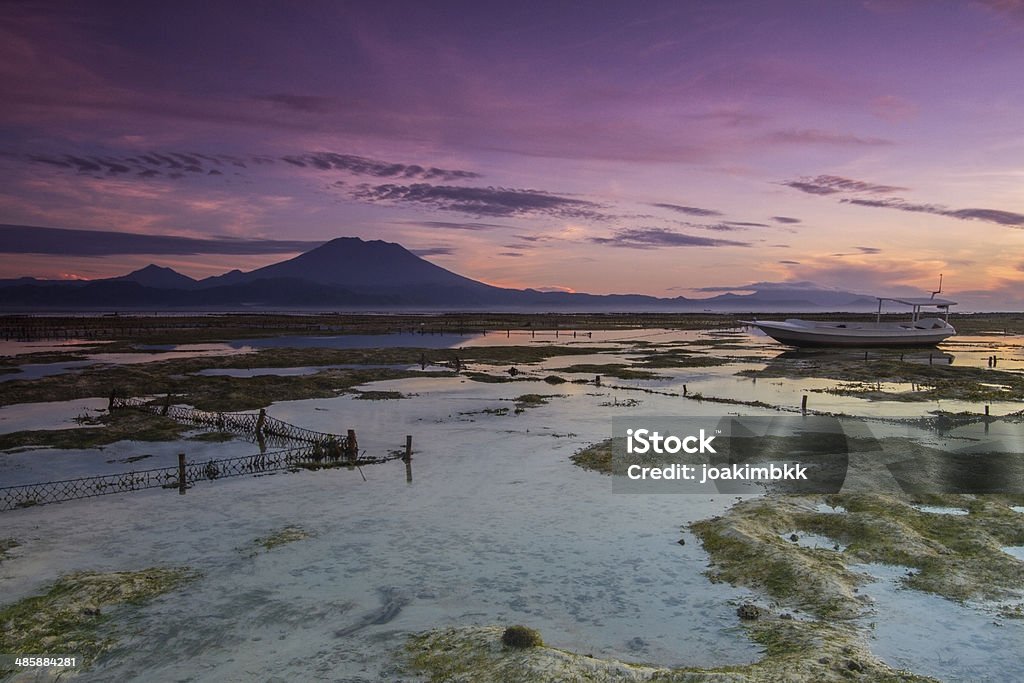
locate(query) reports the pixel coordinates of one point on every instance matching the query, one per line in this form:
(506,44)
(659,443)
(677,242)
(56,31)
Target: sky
(664,148)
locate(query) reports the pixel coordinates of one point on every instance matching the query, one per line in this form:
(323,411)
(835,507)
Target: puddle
(356,341)
(940,510)
(31,371)
(1015,550)
(806,539)
(1017,508)
(51,415)
(296,371)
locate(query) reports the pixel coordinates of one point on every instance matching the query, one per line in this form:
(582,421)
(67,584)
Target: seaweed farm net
(319,450)
(310,457)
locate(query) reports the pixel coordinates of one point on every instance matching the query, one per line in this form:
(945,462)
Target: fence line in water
(319,450)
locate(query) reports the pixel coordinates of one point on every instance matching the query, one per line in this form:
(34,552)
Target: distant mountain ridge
(351,273)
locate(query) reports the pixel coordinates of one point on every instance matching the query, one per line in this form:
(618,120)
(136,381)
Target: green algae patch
(681,359)
(525,401)
(477,654)
(959,557)
(377,395)
(521,637)
(72,616)
(797,651)
(928,382)
(956,556)
(121,425)
(283,536)
(617,370)
(747,548)
(596,457)
(6,545)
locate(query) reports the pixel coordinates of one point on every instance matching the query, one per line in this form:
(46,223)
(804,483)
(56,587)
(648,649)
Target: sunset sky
(666,148)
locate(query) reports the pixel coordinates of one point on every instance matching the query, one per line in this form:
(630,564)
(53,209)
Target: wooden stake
(181,474)
(352,446)
(803,404)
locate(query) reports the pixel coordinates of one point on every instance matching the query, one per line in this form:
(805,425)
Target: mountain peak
(360,264)
(159,277)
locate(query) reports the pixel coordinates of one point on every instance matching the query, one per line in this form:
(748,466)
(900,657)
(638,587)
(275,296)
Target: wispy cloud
(651,238)
(688,210)
(482,201)
(434,251)
(312,104)
(813,136)
(453,225)
(786,220)
(860,251)
(996,216)
(831,184)
(743,224)
(27,239)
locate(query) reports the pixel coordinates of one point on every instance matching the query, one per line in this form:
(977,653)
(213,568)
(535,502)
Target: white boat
(918,331)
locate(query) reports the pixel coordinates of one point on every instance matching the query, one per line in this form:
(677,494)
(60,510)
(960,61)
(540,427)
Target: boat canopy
(916,304)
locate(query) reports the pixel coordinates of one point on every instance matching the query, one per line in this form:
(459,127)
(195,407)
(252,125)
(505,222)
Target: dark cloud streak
(831,184)
(481,201)
(688,210)
(996,216)
(192,162)
(651,238)
(27,239)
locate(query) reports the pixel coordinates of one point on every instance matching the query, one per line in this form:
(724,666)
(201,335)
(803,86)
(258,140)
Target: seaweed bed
(74,615)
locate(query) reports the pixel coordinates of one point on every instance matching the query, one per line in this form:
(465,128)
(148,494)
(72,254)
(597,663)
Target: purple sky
(664,148)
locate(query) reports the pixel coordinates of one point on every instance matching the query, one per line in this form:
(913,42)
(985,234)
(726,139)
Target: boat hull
(805,336)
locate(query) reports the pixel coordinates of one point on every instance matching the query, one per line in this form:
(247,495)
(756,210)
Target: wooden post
(803,404)
(597,380)
(167,404)
(352,446)
(408,458)
(181,474)
(259,422)
(110,404)
(684,390)
(865,356)
(929,359)
(986,411)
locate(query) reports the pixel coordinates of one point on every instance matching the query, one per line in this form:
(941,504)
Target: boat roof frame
(916,303)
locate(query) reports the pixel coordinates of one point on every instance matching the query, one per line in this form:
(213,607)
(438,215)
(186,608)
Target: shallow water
(940,510)
(485,534)
(49,415)
(497,527)
(297,371)
(931,635)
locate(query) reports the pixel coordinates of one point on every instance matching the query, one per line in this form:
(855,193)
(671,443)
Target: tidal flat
(367,576)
